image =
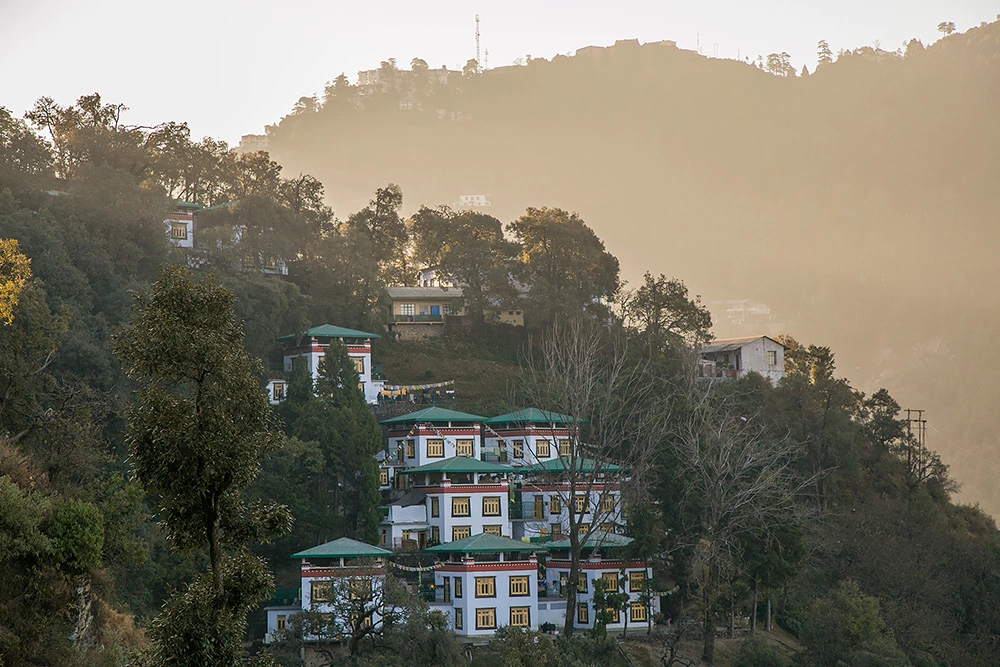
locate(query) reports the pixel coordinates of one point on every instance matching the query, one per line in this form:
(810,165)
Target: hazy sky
(230,67)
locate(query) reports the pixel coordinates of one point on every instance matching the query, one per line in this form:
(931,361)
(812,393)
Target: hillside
(860,203)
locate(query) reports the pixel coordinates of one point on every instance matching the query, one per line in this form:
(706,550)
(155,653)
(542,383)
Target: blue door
(435,310)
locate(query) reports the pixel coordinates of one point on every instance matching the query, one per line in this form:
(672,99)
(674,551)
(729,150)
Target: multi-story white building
(484,582)
(313,345)
(179,223)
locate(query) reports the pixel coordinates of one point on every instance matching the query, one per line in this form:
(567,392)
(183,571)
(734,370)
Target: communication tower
(478,61)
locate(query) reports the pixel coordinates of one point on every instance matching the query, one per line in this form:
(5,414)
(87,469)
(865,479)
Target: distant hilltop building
(179,223)
(472,201)
(735,357)
(251,143)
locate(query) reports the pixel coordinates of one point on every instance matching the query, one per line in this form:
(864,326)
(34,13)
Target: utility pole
(479,67)
(916,433)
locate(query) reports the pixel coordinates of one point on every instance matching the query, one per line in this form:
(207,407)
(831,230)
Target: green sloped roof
(458,464)
(434,415)
(596,541)
(531,416)
(482,543)
(345,547)
(331,331)
(583,465)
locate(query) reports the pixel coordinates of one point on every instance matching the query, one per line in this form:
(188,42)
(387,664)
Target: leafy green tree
(381,224)
(196,433)
(665,315)
(469,248)
(15,271)
(847,627)
(564,264)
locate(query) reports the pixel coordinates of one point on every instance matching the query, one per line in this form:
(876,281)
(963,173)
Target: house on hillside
(179,223)
(312,345)
(422,312)
(735,357)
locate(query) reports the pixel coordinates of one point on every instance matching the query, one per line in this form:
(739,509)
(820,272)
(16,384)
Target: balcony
(529,511)
(418,319)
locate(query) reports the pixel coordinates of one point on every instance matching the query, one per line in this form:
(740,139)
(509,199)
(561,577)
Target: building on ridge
(733,358)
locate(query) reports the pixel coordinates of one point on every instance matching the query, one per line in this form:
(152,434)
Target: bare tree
(740,485)
(583,372)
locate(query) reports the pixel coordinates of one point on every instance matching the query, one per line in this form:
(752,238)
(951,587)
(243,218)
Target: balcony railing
(427,319)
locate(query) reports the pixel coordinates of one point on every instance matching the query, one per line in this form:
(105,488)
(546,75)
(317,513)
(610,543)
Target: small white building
(735,357)
(179,224)
(484,582)
(472,201)
(313,344)
(326,567)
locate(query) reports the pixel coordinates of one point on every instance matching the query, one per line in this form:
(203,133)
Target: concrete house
(735,357)
(312,345)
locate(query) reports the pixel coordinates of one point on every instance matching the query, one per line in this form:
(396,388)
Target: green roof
(221,206)
(482,544)
(458,464)
(177,203)
(596,541)
(531,416)
(583,465)
(345,547)
(330,331)
(434,415)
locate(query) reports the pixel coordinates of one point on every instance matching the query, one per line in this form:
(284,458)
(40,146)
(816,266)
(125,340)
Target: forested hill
(859,202)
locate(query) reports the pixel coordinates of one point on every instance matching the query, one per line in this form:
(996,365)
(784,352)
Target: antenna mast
(486,59)
(478,67)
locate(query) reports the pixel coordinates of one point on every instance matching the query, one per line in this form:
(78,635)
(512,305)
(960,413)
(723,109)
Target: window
(556,529)
(460,532)
(493,530)
(581,583)
(381,539)
(321,591)
(458,587)
(502,454)
(486,619)
(178,231)
(407,536)
(582,528)
(491,505)
(564,449)
(520,617)
(458,618)
(538,512)
(637,611)
(609,527)
(519,449)
(435,448)
(611,582)
(446,593)
(486,587)
(278,391)
(636,581)
(383,477)
(463,448)
(359,365)
(281,622)
(555,507)
(360,589)
(614,615)
(460,506)
(607,503)
(407,309)
(435,535)
(519,586)
(271,264)
(772,357)
(580,504)
(583,613)
(435,507)
(411,449)
(542,449)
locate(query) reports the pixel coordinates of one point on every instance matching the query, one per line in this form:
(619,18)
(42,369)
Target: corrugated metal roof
(597,540)
(424,292)
(434,415)
(458,464)
(483,543)
(729,344)
(345,547)
(531,416)
(331,331)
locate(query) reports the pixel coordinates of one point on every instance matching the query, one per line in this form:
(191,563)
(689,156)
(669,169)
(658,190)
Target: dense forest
(104,555)
(859,202)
